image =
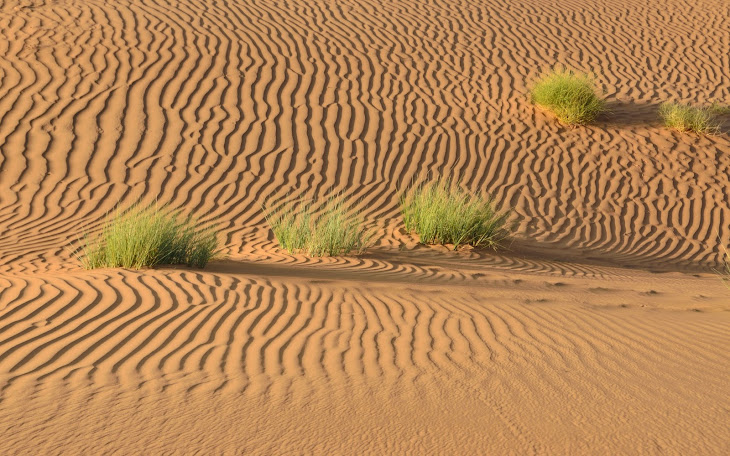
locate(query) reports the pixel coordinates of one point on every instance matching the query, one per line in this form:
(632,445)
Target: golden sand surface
(602,330)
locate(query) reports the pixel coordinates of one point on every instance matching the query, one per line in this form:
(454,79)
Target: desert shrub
(442,213)
(570,96)
(686,118)
(148,236)
(334,230)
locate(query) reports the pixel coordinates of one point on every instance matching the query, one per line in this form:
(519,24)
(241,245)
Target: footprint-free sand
(602,330)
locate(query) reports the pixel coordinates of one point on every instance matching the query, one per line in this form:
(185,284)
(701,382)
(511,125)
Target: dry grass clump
(144,237)
(335,230)
(442,213)
(570,96)
(684,118)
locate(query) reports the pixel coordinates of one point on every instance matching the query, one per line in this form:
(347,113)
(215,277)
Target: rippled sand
(602,330)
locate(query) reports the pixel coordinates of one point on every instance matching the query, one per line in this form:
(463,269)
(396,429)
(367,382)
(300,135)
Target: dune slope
(600,330)
(281,359)
(217,106)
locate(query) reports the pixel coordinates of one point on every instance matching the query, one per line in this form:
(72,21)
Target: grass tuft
(684,118)
(442,213)
(570,96)
(143,237)
(724,271)
(719,109)
(336,230)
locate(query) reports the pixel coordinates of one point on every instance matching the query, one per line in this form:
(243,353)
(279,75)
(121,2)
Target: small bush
(685,118)
(441,213)
(570,96)
(146,237)
(335,231)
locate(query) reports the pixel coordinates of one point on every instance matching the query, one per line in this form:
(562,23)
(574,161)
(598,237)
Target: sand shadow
(435,265)
(630,114)
(723,119)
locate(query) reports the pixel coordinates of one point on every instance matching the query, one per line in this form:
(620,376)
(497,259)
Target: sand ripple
(216,106)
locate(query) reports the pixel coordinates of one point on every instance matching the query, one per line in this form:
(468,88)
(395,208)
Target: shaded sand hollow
(602,330)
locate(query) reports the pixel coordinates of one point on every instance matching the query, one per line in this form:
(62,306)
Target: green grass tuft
(570,96)
(719,109)
(144,237)
(685,118)
(724,271)
(336,230)
(442,213)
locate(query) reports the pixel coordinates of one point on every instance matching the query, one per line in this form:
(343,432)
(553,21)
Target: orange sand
(602,331)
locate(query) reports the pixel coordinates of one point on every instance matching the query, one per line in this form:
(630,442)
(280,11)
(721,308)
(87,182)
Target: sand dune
(602,328)
(506,361)
(215,107)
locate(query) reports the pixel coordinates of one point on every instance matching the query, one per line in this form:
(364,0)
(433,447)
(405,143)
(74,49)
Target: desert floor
(602,330)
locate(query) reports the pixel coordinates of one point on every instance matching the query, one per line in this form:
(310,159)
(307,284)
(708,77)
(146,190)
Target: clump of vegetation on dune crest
(334,229)
(442,213)
(570,96)
(148,236)
(684,118)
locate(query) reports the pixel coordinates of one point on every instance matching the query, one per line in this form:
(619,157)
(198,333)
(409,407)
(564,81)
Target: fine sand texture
(602,330)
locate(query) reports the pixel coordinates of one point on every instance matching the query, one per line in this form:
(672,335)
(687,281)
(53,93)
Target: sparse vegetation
(724,270)
(442,213)
(148,236)
(570,96)
(335,230)
(719,109)
(686,118)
